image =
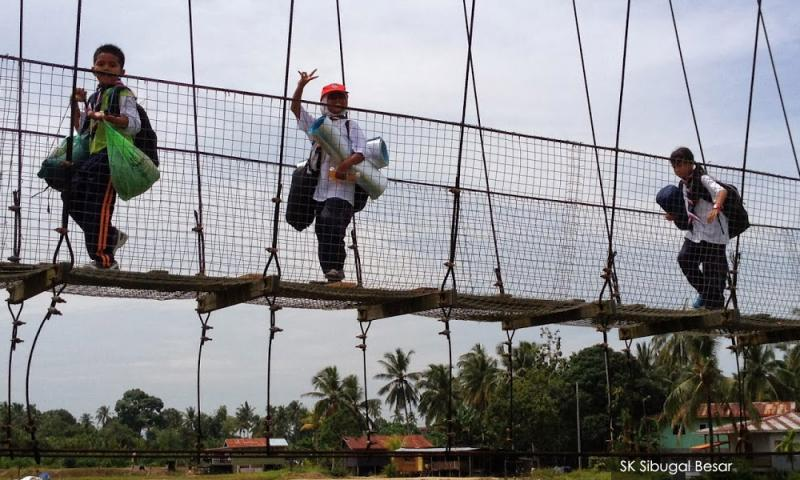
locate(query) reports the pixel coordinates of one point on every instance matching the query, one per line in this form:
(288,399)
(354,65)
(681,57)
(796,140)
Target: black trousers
(710,281)
(92,205)
(331,220)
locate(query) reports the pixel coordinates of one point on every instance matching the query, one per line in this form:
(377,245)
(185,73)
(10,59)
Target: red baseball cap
(332,87)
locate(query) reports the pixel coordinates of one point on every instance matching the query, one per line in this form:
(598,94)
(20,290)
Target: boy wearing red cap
(334,197)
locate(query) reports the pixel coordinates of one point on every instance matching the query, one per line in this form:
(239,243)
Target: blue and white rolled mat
(333,139)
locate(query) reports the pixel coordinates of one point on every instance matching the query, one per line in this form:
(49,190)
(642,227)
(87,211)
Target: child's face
(337,102)
(683,169)
(107,69)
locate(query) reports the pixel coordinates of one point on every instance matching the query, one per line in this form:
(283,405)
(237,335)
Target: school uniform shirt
(127,108)
(702,231)
(327,188)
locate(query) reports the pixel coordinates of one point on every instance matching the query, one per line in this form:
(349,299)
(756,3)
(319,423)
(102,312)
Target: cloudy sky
(405,57)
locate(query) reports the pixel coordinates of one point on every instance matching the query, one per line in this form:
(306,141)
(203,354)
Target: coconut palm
(789,446)
(102,415)
(524,356)
(478,376)
(333,392)
(762,378)
(433,399)
(697,383)
(246,420)
(400,391)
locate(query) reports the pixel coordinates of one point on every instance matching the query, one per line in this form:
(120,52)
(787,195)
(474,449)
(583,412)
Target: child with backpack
(334,195)
(708,232)
(92,195)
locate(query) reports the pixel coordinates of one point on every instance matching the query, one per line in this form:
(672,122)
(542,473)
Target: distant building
(690,439)
(763,436)
(233,456)
(367,464)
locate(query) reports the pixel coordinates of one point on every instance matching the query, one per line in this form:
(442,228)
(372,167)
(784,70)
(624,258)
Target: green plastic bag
(55,168)
(132,171)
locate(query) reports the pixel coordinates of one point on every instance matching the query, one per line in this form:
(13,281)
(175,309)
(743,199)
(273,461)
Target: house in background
(722,414)
(764,436)
(370,464)
(233,456)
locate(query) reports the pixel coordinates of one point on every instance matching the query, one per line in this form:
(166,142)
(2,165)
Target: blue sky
(405,57)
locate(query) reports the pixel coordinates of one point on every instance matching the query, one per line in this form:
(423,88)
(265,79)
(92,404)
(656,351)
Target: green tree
(477,377)
(762,374)
(333,393)
(698,382)
(400,391)
(102,416)
(433,399)
(789,446)
(137,410)
(246,420)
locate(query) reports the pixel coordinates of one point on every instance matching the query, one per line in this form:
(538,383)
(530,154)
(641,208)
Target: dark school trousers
(92,205)
(331,220)
(710,281)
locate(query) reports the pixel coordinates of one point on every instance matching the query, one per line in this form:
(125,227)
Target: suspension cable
(198,214)
(780,93)
(204,328)
(497,271)
(273,329)
(15,340)
(686,81)
(510,428)
(273,250)
(446,313)
(737,253)
(51,310)
(363,347)
(610,272)
(604,329)
(591,120)
(63,230)
(740,384)
(16,195)
(354,230)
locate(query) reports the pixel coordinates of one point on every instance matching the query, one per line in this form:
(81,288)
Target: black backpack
(733,208)
(146,140)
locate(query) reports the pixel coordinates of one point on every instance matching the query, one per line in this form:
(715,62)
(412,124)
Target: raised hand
(305,77)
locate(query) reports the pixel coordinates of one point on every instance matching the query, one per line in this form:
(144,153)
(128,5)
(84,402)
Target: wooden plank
(37,281)
(239,294)
(770,336)
(691,320)
(421,303)
(570,313)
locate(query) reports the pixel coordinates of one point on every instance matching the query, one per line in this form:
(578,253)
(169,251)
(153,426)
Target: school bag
(733,208)
(146,139)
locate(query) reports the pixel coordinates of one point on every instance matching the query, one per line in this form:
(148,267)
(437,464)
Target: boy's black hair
(113,50)
(681,154)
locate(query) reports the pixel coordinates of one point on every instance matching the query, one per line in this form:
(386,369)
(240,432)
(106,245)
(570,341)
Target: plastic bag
(55,168)
(132,171)
(334,140)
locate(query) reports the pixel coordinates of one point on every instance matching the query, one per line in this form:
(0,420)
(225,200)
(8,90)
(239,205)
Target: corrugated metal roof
(381,442)
(773,424)
(255,442)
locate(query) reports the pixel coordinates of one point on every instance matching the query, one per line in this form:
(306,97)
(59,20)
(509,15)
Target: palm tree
(697,383)
(525,356)
(332,392)
(762,380)
(245,420)
(433,399)
(102,415)
(400,391)
(789,374)
(478,376)
(646,356)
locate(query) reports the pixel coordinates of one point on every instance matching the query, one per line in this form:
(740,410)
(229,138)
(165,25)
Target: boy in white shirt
(706,239)
(334,197)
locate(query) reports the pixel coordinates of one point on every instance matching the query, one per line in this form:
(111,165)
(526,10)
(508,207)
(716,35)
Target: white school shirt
(327,188)
(702,231)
